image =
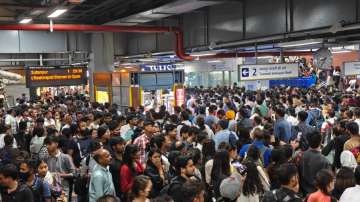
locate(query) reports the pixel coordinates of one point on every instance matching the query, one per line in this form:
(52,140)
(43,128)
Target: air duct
(179,45)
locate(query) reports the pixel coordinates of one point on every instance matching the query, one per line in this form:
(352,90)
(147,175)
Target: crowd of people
(224,144)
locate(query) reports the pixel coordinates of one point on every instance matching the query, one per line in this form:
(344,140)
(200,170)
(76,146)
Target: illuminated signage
(158,67)
(55,76)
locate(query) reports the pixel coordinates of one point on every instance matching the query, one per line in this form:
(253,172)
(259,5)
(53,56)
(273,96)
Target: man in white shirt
(49,121)
(11,120)
(352,194)
(184,121)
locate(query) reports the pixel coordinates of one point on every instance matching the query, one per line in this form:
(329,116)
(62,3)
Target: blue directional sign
(245,72)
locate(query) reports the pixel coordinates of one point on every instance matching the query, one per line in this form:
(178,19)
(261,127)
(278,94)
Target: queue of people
(224,144)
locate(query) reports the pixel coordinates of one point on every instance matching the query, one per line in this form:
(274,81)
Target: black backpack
(166,190)
(81,182)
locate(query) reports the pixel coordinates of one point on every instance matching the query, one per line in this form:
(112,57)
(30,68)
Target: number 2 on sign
(254,73)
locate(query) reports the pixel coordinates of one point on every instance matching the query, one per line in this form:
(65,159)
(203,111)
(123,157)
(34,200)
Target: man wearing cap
(143,140)
(230,115)
(117,145)
(230,187)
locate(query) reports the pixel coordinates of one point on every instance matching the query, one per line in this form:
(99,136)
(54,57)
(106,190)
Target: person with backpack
(40,189)
(302,130)
(265,152)
(184,171)
(311,162)
(88,163)
(289,179)
(223,134)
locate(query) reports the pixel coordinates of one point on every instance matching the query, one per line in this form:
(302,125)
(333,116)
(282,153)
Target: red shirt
(127,178)
(319,197)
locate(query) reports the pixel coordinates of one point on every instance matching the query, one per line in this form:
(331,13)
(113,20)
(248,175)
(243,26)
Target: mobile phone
(240,168)
(299,136)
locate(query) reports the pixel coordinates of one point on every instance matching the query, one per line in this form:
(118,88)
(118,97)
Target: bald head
(102,157)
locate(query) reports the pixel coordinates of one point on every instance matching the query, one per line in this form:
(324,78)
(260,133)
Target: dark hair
(169,127)
(287,150)
(184,116)
(252,183)
(22,125)
(10,170)
(173,156)
(102,130)
(195,155)
(8,140)
(357,175)
(253,153)
(224,124)
(130,151)
(344,179)
(353,128)
(51,139)
(162,198)
(156,142)
(107,198)
(314,139)
(323,178)
(221,164)
(280,111)
(181,162)
(150,154)
(302,116)
(257,120)
(208,149)
(200,121)
(140,183)
(38,131)
(286,172)
(184,129)
(191,190)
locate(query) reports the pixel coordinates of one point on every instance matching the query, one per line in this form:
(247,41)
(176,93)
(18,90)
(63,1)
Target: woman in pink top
(325,184)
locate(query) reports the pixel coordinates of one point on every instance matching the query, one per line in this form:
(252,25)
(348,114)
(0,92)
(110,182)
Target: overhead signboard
(157,67)
(351,68)
(46,76)
(268,71)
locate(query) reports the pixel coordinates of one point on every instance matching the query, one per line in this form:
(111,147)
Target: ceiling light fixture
(202,54)
(300,43)
(57,13)
(25,20)
(215,61)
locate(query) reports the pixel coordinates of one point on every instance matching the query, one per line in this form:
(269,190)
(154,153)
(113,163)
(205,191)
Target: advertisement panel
(351,68)
(46,76)
(268,71)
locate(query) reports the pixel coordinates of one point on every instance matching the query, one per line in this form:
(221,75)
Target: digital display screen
(46,76)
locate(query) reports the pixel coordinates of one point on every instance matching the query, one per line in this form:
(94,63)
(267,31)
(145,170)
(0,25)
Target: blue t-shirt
(40,193)
(260,145)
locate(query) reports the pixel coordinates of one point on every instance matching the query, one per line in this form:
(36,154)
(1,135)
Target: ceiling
(79,11)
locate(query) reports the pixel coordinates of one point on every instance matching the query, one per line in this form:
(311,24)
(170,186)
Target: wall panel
(225,22)
(317,13)
(264,17)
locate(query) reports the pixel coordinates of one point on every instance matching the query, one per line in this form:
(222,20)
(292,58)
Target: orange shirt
(319,197)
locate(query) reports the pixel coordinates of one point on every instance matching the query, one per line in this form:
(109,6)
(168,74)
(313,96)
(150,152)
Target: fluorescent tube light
(300,43)
(202,54)
(265,57)
(215,61)
(57,13)
(341,51)
(25,20)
